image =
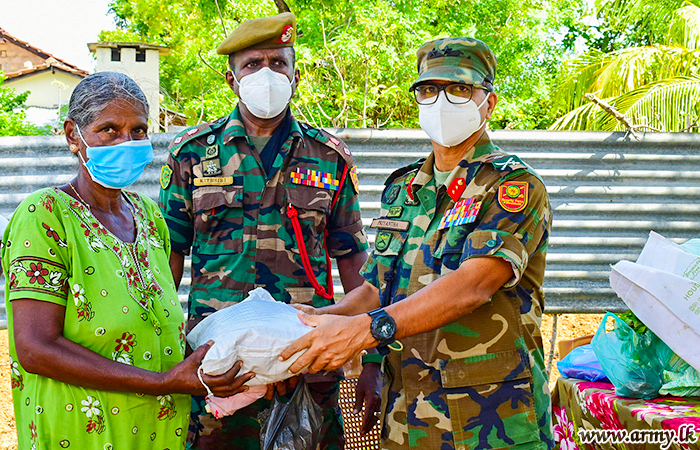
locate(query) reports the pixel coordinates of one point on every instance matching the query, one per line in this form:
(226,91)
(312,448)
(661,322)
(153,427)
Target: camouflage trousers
(241,430)
(419,412)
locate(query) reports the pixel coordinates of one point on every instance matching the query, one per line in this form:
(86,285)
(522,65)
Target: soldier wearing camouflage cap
(261,199)
(454,284)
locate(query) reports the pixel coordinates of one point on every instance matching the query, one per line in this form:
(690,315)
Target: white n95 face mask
(449,124)
(265,93)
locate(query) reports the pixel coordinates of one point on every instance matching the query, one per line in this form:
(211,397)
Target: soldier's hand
(308,309)
(333,341)
(369,392)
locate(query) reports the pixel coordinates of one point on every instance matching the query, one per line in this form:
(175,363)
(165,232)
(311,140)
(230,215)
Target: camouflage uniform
(217,199)
(478,382)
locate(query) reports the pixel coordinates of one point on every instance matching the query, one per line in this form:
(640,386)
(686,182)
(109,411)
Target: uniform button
(491,243)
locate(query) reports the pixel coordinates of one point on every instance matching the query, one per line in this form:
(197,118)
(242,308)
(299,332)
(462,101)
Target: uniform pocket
(490,400)
(218,219)
(313,206)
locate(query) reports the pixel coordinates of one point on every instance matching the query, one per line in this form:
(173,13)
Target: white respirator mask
(265,93)
(449,124)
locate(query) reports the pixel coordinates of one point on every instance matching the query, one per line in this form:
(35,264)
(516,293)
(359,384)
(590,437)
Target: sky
(60,27)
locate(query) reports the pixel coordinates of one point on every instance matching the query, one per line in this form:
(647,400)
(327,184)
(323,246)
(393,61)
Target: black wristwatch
(383,329)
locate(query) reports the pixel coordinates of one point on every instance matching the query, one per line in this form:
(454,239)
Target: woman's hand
(283,387)
(182,378)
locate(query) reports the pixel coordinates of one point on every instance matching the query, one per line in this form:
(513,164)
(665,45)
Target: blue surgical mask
(117,166)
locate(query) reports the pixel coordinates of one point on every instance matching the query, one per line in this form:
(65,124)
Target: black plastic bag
(294,424)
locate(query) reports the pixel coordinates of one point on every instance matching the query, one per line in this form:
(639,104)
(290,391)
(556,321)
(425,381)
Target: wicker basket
(352,422)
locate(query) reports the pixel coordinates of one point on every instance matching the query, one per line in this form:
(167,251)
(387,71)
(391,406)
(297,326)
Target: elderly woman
(96,330)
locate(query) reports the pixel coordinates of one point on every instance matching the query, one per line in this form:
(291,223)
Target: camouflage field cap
(269,32)
(459,59)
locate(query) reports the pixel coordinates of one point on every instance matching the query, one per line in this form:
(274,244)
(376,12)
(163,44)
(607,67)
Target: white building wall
(47,90)
(144,73)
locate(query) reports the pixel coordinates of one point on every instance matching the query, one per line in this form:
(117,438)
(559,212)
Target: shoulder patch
(404,170)
(193,133)
(509,166)
(331,141)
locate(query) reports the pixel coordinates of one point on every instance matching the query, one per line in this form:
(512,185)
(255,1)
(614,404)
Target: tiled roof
(50,61)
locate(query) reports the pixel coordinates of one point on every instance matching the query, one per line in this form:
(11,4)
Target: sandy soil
(569,326)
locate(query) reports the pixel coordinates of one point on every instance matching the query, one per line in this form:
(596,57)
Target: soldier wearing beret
(454,285)
(261,199)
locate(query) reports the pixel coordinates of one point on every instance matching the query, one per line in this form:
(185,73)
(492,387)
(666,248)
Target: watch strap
(372,358)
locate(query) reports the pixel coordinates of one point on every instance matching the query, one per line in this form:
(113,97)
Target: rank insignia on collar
(456,188)
(382,241)
(210,139)
(354,179)
(463,212)
(212,151)
(166,174)
(211,167)
(394,212)
(391,194)
(512,196)
(315,178)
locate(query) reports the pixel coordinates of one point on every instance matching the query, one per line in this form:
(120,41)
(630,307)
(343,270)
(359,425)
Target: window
(141,55)
(116,54)
(3,53)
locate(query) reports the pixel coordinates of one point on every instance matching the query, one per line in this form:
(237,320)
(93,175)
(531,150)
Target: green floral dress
(120,302)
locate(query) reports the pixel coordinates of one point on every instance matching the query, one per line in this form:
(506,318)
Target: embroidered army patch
(166,174)
(382,241)
(394,212)
(392,194)
(512,196)
(211,167)
(355,180)
(310,177)
(464,211)
(212,151)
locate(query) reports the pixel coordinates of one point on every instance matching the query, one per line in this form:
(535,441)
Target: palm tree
(653,87)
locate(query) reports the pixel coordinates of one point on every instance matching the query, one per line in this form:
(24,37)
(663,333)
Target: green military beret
(269,32)
(458,59)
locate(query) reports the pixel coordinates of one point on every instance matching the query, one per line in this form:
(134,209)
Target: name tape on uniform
(213,181)
(310,177)
(388,224)
(464,211)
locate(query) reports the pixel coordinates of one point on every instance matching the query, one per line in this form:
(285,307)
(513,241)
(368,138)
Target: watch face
(385,327)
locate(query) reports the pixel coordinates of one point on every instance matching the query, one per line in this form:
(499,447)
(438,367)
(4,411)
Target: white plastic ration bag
(662,288)
(254,331)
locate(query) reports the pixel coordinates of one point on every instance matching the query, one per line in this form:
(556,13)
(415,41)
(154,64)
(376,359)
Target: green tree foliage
(12,116)
(356,57)
(648,69)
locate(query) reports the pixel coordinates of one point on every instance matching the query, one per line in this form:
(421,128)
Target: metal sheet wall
(607,190)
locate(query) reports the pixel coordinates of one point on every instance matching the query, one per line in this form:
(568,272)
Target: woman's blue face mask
(117,166)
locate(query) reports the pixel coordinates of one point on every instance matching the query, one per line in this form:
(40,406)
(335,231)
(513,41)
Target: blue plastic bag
(582,363)
(633,362)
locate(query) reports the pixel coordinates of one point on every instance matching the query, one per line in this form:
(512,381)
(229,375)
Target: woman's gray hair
(96,91)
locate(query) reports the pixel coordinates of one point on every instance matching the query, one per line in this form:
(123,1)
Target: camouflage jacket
(478,382)
(217,200)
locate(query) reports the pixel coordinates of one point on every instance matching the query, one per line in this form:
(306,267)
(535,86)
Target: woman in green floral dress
(97,335)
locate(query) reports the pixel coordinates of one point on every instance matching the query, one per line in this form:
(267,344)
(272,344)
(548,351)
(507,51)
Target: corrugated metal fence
(607,193)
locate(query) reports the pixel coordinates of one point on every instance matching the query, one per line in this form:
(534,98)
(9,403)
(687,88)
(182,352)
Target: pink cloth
(221,407)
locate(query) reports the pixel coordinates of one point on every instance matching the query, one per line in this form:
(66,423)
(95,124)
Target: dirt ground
(569,326)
